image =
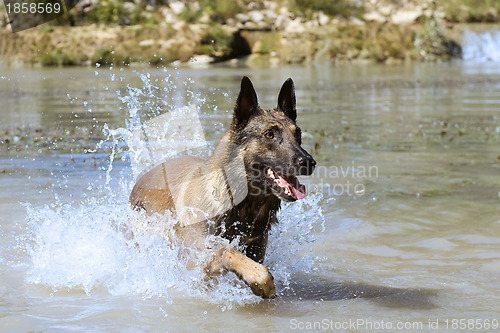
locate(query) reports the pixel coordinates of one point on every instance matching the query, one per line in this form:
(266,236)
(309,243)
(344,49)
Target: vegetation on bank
(160,32)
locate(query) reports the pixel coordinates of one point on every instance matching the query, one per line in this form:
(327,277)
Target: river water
(400,228)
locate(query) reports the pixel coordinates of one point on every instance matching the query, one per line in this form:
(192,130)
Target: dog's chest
(249,220)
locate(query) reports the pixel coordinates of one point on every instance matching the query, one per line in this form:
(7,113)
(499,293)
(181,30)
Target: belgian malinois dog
(236,193)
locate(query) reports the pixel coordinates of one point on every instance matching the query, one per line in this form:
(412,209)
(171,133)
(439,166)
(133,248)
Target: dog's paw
(255,275)
(261,281)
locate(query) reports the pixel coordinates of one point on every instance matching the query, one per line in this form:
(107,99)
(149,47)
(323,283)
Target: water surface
(402,225)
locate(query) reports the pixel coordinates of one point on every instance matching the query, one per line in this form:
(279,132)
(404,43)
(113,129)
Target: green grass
(470,10)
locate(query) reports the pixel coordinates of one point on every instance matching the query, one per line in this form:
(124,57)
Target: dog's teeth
(287,191)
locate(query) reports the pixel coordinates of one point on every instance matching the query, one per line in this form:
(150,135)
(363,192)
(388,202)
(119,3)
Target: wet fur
(204,183)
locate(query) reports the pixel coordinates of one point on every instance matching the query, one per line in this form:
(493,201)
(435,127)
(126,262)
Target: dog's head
(270,143)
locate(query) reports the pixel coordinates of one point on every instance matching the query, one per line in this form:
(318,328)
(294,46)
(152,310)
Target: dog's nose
(306,164)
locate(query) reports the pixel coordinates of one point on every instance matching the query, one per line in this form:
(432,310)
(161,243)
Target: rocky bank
(258,33)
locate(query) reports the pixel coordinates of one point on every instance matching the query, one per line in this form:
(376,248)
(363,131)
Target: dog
(236,193)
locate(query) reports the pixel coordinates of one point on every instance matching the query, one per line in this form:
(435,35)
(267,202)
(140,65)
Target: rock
(177,7)
(312,24)
(375,17)
(406,16)
(167,44)
(231,22)
(256,16)
(271,5)
(322,18)
(281,22)
(146,43)
(170,17)
(200,61)
(257,47)
(83,4)
(186,49)
(178,26)
(195,6)
(491,15)
(284,11)
(274,61)
(205,18)
(242,17)
(269,14)
(295,26)
(128,7)
(385,10)
(355,20)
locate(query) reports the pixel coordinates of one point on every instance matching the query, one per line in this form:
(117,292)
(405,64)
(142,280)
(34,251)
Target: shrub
(57,58)
(107,56)
(431,42)
(221,10)
(217,43)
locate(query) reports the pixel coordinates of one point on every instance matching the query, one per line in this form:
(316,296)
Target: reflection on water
(420,242)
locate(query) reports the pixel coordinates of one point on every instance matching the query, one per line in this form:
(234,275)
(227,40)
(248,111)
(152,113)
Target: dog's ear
(246,104)
(286,100)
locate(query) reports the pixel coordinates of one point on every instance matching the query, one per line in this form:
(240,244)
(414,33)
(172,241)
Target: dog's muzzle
(306,165)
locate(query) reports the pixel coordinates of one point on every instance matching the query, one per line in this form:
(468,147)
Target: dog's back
(153,191)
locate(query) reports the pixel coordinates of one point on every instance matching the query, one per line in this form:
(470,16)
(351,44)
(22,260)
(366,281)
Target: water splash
(85,245)
(481,46)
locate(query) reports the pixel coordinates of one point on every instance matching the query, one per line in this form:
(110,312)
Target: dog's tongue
(298,192)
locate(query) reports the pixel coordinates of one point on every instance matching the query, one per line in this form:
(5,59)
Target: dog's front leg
(256,275)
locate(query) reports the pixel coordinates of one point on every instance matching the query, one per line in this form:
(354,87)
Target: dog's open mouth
(286,187)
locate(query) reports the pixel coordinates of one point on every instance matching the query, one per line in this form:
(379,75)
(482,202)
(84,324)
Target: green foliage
(373,41)
(189,15)
(114,12)
(46,28)
(107,11)
(57,58)
(471,10)
(268,42)
(221,10)
(431,42)
(161,60)
(107,56)
(217,42)
(329,7)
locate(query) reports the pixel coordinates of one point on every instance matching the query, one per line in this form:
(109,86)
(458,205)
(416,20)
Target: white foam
(481,46)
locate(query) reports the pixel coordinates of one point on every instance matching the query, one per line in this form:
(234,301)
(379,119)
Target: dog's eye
(269,135)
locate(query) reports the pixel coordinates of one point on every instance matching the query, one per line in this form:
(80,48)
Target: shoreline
(185,34)
(54,46)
